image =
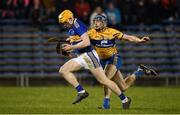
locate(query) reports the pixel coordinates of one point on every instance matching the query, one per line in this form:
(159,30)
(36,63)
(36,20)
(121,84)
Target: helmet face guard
(99,22)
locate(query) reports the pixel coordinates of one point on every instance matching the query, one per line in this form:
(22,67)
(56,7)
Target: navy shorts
(114,60)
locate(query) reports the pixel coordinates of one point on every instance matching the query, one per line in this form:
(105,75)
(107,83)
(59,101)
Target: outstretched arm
(135,39)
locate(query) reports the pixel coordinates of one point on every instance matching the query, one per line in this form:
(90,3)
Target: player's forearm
(131,38)
(84,43)
(134,39)
(81,45)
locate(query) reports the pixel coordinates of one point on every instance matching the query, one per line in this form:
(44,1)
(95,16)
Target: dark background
(27,59)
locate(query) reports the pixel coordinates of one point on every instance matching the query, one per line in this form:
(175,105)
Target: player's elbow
(128,37)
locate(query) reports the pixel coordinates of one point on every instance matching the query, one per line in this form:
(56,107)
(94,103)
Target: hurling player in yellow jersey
(86,57)
(103,40)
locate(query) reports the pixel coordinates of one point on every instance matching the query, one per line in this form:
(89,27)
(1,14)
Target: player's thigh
(70,66)
(110,70)
(100,75)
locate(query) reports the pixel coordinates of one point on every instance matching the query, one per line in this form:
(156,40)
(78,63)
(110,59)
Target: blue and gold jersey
(104,42)
(75,32)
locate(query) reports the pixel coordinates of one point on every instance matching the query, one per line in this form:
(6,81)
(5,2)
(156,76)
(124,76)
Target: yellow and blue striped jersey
(104,42)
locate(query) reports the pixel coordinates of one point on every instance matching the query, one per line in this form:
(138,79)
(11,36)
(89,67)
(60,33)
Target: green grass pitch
(58,100)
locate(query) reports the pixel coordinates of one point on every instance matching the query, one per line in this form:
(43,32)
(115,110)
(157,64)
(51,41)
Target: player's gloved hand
(68,39)
(144,39)
(67,47)
(59,50)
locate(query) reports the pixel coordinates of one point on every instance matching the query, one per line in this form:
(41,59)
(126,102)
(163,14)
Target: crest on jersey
(71,32)
(104,42)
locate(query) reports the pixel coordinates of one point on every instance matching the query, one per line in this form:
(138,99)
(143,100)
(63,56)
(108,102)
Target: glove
(59,50)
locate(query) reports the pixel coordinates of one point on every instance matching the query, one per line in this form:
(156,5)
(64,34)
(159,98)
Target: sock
(123,98)
(139,73)
(106,104)
(80,89)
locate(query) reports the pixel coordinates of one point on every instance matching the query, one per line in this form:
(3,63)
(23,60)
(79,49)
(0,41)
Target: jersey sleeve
(80,28)
(117,34)
(91,33)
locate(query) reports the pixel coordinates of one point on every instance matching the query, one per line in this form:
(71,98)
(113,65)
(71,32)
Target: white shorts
(88,60)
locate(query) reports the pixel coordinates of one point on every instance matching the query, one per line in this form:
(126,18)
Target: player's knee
(133,78)
(109,76)
(124,88)
(101,81)
(105,82)
(63,71)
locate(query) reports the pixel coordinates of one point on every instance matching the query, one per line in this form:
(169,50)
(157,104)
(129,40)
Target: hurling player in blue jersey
(86,57)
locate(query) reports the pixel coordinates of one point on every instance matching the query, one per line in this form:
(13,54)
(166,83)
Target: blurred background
(26,59)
